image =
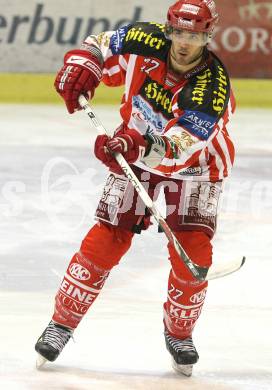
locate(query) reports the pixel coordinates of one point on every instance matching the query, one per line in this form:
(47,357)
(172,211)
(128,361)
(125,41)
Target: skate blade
(183,369)
(40,361)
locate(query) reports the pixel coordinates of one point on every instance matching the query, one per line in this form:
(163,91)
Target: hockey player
(175,108)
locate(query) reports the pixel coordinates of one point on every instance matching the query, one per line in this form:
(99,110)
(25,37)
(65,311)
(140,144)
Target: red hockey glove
(80,74)
(130,144)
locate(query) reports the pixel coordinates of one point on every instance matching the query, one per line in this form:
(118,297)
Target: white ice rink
(49,186)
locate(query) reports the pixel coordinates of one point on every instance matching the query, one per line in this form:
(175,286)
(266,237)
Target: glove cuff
(155,151)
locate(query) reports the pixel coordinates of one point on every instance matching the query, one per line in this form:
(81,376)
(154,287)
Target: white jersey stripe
(111,71)
(131,66)
(218,160)
(224,147)
(123,62)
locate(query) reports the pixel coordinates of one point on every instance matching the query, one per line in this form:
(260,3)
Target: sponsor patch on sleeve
(116,41)
(199,124)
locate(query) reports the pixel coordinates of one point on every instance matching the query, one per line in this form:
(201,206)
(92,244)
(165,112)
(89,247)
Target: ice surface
(49,186)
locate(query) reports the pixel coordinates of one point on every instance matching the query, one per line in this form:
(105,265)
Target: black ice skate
(52,342)
(184,354)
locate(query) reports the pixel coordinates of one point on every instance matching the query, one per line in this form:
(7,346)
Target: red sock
(183,307)
(80,287)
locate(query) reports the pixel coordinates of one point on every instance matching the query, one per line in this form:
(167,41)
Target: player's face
(187,46)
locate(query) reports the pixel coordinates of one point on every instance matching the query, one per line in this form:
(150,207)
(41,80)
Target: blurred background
(34,36)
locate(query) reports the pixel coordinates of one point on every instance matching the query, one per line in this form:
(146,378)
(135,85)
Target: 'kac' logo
(198,297)
(79,272)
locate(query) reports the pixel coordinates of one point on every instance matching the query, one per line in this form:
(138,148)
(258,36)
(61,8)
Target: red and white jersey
(192,111)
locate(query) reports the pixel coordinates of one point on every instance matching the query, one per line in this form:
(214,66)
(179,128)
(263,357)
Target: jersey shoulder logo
(208,91)
(117,39)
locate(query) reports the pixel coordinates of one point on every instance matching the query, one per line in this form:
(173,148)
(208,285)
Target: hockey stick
(200,273)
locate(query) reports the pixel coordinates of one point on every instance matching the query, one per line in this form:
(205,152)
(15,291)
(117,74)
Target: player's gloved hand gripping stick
(200,273)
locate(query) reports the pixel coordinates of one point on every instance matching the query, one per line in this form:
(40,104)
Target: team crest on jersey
(117,39)
(183,140)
